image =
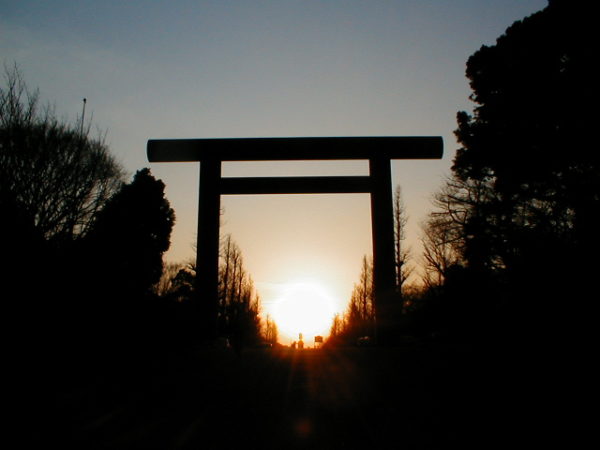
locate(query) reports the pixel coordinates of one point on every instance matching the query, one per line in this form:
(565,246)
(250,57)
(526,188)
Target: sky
(210,69)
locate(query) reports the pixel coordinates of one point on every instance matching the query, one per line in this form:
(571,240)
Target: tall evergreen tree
(129,238)
(528,171)
(529,138)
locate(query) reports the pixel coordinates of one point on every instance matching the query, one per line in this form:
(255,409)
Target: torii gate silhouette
(378,150)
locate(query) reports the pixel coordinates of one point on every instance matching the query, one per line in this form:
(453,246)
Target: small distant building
(318,341)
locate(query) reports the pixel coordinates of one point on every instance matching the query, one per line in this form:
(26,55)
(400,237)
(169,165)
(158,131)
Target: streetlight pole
(82,117)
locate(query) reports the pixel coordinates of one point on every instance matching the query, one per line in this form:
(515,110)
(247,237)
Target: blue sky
(176,69)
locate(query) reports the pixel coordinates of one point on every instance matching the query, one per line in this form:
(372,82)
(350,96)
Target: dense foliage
(81,250)
(517,222)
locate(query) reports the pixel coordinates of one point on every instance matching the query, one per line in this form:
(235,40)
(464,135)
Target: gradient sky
(185,69)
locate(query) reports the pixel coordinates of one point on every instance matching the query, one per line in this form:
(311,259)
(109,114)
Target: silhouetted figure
(300,341)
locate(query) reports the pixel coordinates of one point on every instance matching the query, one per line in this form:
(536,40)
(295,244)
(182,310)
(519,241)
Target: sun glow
(306,308)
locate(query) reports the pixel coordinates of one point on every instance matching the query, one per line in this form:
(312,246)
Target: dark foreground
(432,396)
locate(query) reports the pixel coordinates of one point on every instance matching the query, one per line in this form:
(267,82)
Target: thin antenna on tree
(83,116)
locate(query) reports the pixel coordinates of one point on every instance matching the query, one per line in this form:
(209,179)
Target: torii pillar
(379,151)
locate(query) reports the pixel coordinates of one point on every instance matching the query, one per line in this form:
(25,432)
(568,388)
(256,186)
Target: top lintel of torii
(295,148)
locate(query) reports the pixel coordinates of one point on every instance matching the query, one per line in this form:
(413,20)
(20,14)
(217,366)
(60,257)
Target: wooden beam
(295,185)
(295,148)
(382,228)
(207,254)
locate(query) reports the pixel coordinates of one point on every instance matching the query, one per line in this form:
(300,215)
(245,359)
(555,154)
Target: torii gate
(379,151)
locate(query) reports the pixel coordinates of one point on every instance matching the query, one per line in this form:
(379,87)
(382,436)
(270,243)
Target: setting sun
(304,308)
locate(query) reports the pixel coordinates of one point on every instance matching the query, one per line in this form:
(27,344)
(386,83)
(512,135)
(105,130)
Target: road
(400,397)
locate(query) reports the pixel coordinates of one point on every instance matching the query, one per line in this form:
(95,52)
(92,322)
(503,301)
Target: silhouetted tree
(53,171)
(526,152)
(402,253)
(523,138)
(167,279)
(359,318)
(442,234)
(183,284)
(54,180)
(128,239)
(238,303)
(337,328)
(271,334)
(180,299)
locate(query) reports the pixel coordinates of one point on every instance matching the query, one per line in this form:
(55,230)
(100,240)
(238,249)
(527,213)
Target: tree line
(238,310)
(82,247)
(83,276)
(358,324)
(511,245)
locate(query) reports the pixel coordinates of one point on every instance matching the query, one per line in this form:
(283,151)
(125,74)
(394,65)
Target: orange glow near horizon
(303,307)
